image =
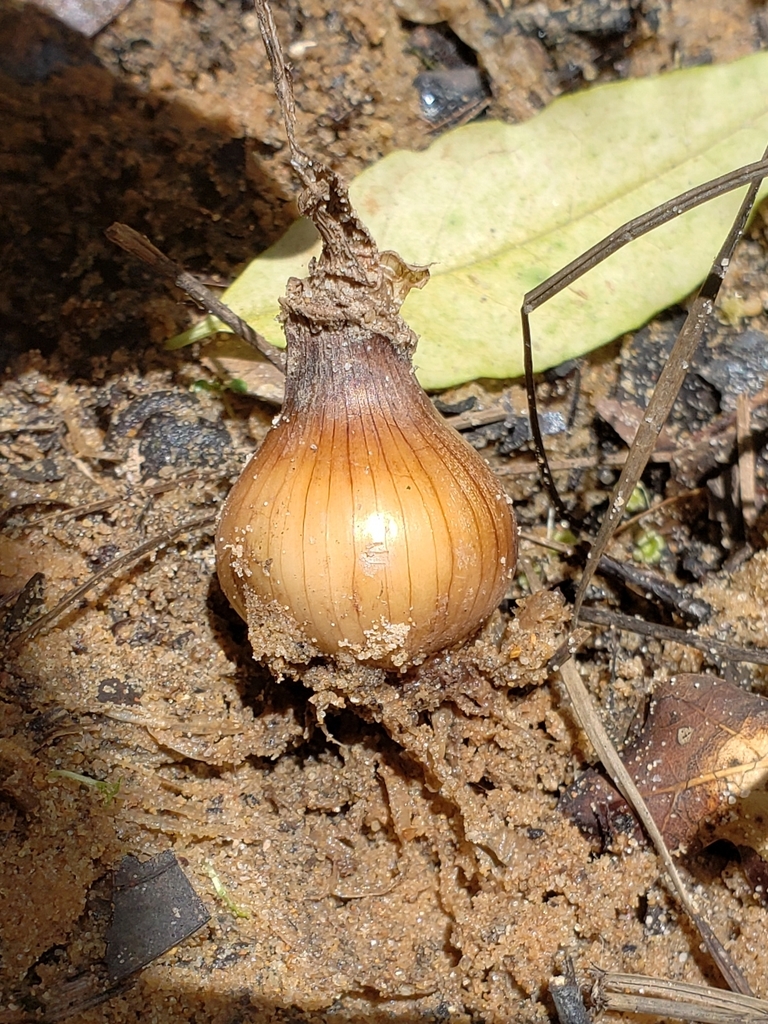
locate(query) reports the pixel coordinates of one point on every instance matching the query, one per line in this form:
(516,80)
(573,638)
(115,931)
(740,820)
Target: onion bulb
(364,516)
(364,525)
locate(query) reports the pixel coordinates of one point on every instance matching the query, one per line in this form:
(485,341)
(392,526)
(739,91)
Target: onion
(371,522)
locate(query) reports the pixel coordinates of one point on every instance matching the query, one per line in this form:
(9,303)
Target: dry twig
(715,648)
(679,359)
(141,247)
(149,547)
(635,993)
(747,486)
(666,390)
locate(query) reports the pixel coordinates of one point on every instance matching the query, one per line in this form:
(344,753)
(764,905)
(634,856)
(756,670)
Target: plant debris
(701,764)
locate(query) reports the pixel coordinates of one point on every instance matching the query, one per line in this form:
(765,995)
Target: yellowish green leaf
(494,209)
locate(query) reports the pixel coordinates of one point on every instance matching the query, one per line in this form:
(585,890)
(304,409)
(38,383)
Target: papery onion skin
(372,523)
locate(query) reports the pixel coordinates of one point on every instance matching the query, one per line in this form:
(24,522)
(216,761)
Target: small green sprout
(221,891)
(107,790)
(735,307)
(639,500)
(650,547)
(564,535)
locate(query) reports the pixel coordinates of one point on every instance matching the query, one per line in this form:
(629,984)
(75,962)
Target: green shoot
(221,891)
(107,790)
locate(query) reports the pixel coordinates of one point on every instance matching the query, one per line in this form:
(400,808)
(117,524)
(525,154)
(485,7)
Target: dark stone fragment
(155,908)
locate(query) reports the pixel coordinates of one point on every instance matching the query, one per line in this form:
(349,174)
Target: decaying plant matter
(700,762)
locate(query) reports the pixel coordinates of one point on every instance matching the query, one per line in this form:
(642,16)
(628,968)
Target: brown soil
(388,852)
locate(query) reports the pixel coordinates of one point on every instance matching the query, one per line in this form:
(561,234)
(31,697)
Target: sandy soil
(387,853)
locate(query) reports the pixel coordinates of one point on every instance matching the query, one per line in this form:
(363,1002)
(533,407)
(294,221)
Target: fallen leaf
(700,763)
(493,209)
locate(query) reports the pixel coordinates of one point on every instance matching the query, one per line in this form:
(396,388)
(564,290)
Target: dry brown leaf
(701,764)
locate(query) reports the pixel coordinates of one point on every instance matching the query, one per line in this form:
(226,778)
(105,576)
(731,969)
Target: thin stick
(480,417)
(104,504)
(545,542)
(349,252)
(300,161)
(615,460)
(650,583)
(140,246)
(592,725)
(616,240)
(601,617)
(666,390)
(629,524)
(149,547)
(635,993)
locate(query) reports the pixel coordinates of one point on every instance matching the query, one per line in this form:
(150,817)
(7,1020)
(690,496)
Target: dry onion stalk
(364,526)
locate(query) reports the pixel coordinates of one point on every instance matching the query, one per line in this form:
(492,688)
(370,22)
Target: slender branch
(651,584)
(667,388)
(747,460)
(300,161)
(616,240)
(74,511)
(749,174)
(630,624)
(567,997)
(636,993)
(140,246)
(149,547)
